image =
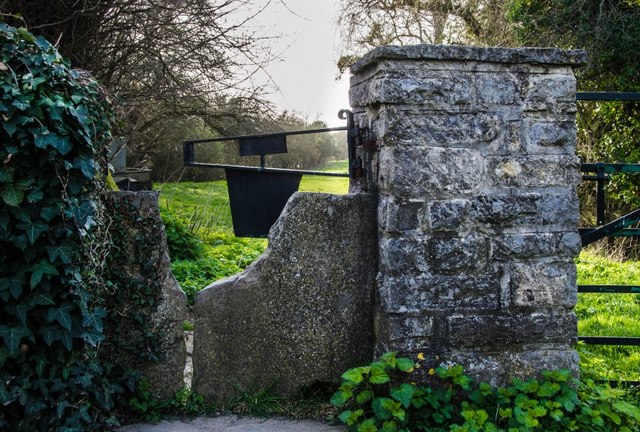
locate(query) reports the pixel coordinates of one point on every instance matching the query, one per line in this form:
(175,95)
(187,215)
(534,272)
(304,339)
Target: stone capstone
(302,313)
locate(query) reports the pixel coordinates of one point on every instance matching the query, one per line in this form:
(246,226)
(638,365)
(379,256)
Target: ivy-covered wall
(81,272)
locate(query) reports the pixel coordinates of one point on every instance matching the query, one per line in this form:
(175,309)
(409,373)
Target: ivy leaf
(13,336)
(13,195)
(58,142)
(50,334)
(49,212)
(94,319)
(62,252)
(86,165)
(42,299)
(66,338)
(43,267)
(32,230)
(62,315)
(6,175)
(35,195)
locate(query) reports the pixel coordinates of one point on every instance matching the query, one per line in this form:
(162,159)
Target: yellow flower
(432,371)
(420,356)
(410,370)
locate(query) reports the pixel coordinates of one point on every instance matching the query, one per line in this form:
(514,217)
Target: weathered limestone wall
(477,215)
(302,312)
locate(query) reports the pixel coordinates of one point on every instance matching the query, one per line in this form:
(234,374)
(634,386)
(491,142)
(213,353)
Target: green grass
(609,315)
(199,229)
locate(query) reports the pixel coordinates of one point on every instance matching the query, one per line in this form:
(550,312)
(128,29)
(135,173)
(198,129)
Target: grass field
(197,217)
(202,213)
(609,315)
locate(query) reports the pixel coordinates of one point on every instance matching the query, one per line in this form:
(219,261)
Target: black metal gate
(620,227)
(257,194)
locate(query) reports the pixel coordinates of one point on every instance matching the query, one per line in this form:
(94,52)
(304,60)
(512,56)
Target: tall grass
(197,217)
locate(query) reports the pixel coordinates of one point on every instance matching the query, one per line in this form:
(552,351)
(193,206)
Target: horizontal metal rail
(608,168)
(189,152)
(608,96)
(609,340)
(267,135)
(608,289)
(266,169)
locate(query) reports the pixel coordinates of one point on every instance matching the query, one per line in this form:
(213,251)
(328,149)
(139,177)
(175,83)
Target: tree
(608,131)
(164,62)
(366,24)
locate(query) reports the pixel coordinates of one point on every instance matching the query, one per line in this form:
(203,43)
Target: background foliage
(56,123)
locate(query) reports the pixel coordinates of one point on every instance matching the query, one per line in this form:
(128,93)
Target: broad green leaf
(405,364)
(367,426)
(378,375)
(12,337)
(364,396)
(403,394)
(341,397)
(43,267)
(12,194)
(389,426)
(354,375)
(62,315)
(380,409)
(49,212)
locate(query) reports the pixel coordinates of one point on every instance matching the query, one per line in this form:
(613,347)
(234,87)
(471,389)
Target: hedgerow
(55,126)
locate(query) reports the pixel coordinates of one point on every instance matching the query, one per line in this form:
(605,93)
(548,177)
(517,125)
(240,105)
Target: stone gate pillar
(477,215)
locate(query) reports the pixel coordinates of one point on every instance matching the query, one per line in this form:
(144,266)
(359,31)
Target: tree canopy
(166,63)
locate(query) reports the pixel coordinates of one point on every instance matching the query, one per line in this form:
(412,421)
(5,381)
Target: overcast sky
(309,51)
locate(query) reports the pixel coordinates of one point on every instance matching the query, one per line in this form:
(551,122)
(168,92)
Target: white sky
(309,51)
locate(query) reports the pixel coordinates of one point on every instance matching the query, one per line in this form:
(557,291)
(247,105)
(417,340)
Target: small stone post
(477,215)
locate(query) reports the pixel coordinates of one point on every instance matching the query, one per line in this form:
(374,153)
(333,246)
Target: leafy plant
(148,408)
(56,123)
(382,397)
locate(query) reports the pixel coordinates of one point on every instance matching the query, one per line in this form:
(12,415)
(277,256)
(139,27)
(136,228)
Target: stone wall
(477,211)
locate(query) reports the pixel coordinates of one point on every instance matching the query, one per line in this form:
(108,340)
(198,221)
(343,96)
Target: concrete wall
(476,179)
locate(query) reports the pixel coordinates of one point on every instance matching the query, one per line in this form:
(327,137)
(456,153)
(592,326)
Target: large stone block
(544,283)
(490,332)
(533,171)
(303,312)
(428,293)
(424,172)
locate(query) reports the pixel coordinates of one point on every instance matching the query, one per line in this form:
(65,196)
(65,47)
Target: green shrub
(182,243)
(381,397)
(56,123)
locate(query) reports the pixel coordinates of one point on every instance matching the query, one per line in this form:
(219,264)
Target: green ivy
(382,397)
(56,122)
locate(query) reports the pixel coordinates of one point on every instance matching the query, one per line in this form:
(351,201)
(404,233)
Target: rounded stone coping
(551,56)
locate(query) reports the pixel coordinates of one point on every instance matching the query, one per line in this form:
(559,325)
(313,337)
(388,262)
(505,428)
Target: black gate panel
(257,199)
